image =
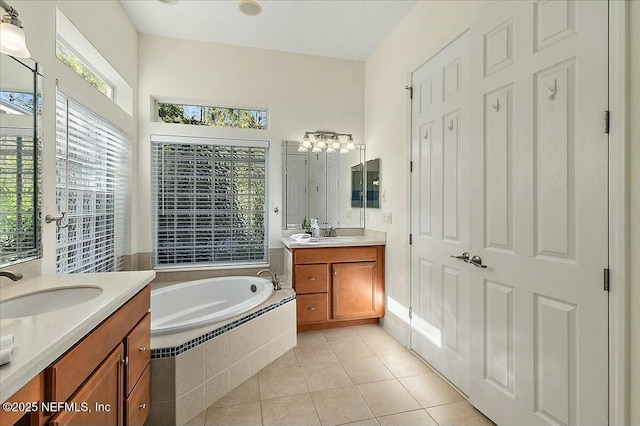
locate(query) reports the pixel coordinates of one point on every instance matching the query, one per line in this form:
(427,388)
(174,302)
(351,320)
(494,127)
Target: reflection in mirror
(321,185)
(20,115)
(373,183)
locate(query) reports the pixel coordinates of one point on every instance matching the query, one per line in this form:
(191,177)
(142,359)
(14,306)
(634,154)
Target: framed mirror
(20,142)
(326,186)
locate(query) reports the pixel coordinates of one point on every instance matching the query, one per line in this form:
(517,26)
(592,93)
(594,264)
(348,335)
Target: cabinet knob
(312,278)
(143,405)
(312,308)
(143,348)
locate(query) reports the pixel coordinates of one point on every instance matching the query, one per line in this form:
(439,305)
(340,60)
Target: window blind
(209,199)
(18,203)
(92,164)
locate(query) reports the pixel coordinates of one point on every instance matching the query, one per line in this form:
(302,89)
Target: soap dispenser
(315,228)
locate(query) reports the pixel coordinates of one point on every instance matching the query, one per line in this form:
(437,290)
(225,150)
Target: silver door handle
(464,256)
(477,261)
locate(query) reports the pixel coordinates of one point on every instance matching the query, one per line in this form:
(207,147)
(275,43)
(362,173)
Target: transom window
(212,116)
(209,198)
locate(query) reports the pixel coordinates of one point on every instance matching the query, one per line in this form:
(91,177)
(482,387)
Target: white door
(538,312)
(296,174)
(439,213)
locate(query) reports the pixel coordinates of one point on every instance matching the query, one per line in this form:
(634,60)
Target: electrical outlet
(386,217)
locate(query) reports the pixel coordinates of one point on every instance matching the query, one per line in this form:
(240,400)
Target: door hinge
(607,279)
(410,313)
(410,166)
(410,89)
(410,239)
(606,121)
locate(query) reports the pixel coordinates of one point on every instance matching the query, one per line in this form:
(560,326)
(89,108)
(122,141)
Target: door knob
(464,256)
(477,261)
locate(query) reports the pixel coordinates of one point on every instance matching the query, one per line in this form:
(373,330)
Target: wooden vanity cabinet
(338,286)
(102,380)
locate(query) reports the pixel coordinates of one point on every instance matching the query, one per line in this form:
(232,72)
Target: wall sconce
(321,140)
(12,38)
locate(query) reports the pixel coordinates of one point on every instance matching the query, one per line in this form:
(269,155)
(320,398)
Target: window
(80,67)
(212,116)
(209,201)
(92,164)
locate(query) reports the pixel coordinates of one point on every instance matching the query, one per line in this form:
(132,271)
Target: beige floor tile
(339,406)
(384,345)
(338,334)
(287,360)
(365,370)
(282,382)
(243,394)
(325,376)
(290,410)
(197,420)
(410,418)
(370,331)
(314,354)
(458,414)
(387,397)
(241,414)
(310,338)
(405,364)
(368,422)
(430,390)
(350,349)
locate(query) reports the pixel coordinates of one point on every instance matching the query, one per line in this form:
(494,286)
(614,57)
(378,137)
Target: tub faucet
(13,276)
(274,278)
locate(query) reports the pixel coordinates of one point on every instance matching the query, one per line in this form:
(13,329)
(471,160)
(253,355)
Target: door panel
(439,213)
(538,312)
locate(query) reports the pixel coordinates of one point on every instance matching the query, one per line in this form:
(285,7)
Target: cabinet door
(138,352)
(354,290)
(98,401)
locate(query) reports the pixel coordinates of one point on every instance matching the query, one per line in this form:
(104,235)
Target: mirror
(324,186)
(372,168)
(20,138)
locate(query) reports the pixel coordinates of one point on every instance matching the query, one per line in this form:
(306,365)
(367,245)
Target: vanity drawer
(138,404)
(311,278)
(137,351)
(312,307)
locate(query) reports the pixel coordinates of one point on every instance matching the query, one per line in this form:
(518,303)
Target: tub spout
(274,278)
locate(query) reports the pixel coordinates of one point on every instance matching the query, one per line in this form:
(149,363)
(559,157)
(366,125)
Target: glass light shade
(316,149)
(351,146)
(344,150)
(330,150)
(12,41)
(335,144)
(302,149)
(306,143)
(321,144)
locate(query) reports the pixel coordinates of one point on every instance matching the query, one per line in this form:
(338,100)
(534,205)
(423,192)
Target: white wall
(108,28)
(426,29)
(633,71)
(302,92)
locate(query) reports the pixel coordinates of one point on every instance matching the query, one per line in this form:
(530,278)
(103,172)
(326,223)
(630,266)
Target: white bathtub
(194,304)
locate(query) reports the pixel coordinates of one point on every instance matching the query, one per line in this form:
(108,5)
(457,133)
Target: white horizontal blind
(18,203)
(209,202)
(92,164)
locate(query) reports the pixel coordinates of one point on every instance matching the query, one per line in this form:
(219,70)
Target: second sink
(44,301)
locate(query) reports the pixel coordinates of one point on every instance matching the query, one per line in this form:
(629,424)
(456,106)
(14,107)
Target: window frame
(159,140)
(158,119)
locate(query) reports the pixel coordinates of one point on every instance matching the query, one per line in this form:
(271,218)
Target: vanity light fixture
(12,38)
(321,140)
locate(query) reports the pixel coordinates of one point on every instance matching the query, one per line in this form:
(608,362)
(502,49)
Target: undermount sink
(336,239)
(44,301)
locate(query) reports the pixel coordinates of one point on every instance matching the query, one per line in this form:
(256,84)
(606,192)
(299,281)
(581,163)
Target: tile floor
(358,376)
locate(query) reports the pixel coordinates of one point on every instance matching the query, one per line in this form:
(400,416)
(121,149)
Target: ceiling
(346,29)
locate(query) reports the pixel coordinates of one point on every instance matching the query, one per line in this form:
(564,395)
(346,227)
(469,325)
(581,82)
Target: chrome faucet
(13,276)
(274,278)
(331,232)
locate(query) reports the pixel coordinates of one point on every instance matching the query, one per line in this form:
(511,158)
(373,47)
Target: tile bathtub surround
(184,385)
(321,383)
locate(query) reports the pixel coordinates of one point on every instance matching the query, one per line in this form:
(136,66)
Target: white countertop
(41,339)
(358,240)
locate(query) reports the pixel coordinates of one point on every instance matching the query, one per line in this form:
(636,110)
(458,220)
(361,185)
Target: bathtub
(197,303)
